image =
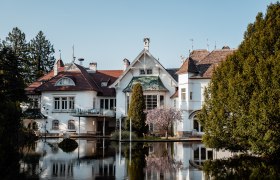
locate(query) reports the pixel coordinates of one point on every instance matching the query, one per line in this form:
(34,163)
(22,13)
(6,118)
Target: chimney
(126,63)
(93,66)
(55,69)
(146,43)
(81,61)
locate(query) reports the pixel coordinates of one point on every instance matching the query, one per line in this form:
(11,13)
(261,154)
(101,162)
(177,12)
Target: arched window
(65,81)
(71,124)
(55,124)
(197,125)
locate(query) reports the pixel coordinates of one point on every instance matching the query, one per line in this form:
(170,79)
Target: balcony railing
(94,112)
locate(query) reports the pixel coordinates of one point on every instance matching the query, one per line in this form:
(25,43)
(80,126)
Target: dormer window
(65,81)
(104,84)
(148,71)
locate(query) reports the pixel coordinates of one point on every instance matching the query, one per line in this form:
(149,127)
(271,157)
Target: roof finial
(59,54)
(146,43)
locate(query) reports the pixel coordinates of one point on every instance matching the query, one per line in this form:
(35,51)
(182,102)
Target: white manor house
(85,100)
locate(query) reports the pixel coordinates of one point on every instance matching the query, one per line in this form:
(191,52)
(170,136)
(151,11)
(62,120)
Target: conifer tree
(136,110)
(242,102)
(41,51)
(17,42)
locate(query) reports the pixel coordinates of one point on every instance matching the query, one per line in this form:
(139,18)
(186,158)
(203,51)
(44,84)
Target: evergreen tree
(136,110)
(242,102)
(42,54)
(17,42)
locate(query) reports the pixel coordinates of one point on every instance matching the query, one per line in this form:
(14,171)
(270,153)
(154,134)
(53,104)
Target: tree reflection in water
(242,167)
(160,161)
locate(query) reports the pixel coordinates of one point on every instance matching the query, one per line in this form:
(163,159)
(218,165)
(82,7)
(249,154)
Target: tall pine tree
(17,42)
(41,51)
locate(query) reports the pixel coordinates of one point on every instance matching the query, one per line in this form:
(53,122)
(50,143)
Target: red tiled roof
(108,76)
(83,79)
(206,65)
(30,89)
(189,63)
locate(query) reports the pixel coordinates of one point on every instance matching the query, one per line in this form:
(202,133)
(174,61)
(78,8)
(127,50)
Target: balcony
(93,113)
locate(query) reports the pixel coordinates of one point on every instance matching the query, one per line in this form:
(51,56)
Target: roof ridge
(83,70)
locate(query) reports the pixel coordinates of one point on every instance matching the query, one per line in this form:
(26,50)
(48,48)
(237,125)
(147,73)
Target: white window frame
(55,124)
(71,125)
(183,94)
(64,103)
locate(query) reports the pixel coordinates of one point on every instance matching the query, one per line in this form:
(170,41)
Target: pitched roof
(206,65)
(30,90)
(172,72)
(83,79)
(188,66)
(189,63)
(108,76)
(199,54)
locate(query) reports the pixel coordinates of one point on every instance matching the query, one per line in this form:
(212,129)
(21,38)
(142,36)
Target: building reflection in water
(99,159)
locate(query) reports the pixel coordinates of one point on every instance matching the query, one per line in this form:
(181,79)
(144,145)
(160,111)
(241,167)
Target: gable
(144,61)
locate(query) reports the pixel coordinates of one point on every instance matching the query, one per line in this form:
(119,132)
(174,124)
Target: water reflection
(103,159)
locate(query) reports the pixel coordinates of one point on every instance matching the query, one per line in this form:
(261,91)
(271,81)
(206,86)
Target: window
(151,101)
(71,124)
(161,100)
(191,95)
(107,103)
(65,81)
(142,71)
(183,94)
(112,104)
(56,103)
(55,124)
(104,84)
(197,126)
(71,103)
(147,71)
(64,103)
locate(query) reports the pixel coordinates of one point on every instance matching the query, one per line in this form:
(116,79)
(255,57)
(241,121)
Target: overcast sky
(107,31)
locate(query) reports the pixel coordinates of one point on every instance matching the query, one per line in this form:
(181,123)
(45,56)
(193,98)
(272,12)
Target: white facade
(144,61)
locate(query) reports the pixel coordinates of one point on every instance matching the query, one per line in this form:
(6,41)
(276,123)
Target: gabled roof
(206,65)
(30,90)
(149,83)
(199,54)
(202,63)
(143,52)
(189,64)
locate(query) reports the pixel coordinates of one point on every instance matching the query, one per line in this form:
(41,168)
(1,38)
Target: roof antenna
(215,45)
(73,54)
(207,44)
(192,43)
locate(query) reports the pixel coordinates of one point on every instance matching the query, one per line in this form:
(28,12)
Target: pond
(104,159)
